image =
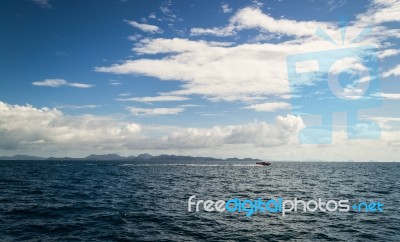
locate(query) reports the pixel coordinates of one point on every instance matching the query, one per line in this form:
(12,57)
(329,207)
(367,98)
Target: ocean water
(109,201)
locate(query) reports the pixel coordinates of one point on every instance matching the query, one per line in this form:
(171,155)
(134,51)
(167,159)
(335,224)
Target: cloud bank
(25,129)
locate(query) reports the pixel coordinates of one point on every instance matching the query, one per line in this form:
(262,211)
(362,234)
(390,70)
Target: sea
(148,201)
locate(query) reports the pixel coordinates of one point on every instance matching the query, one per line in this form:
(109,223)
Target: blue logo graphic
(250,207)
(337,80)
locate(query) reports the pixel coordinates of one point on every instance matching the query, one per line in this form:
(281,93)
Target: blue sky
(187,77)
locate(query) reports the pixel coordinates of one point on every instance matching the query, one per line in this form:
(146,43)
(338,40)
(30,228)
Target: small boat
(263,163)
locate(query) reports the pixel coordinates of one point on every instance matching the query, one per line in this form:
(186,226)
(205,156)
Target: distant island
(115,157)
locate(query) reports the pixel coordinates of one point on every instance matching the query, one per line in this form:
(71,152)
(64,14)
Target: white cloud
(387,53)
(390,96)
(152,16)
(168,13)
(60,83)
(253,18)
(393,72)
(175,45)
(28,126)
(51,83)
(228,31)
(115,83)
(269,107)
(191,105)
(88,106)
(154,111)
(145,27)
(385,119)
(165,98)
(283,132)
(135,37)
(384,122)
(381,11)
(79,85)
(225,8)
(218,72)
(259,134)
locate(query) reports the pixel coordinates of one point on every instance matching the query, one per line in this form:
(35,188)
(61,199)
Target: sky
(201,78)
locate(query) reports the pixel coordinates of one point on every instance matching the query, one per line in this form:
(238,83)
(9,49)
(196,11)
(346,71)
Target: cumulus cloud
(145,27)
(283,131)
(24,126)
(25,129)
(27,126)
(60,83)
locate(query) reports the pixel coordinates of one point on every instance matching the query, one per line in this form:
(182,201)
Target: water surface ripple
(109,201)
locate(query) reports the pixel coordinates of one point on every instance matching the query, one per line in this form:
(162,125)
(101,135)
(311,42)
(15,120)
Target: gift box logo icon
(344,79)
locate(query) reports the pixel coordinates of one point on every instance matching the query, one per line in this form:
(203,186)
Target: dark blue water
(92,201)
